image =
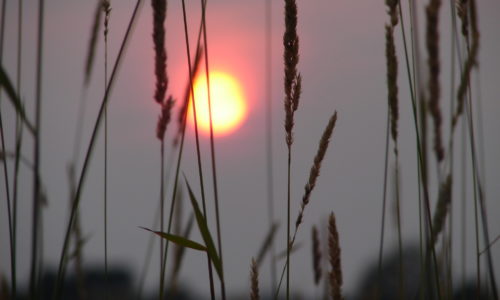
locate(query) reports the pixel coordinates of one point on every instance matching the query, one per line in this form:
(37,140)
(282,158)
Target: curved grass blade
(205,233)
(266,245)
(11,92)
(179,252)
(179,240)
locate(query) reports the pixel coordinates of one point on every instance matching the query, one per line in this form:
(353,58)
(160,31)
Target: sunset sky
(342,64)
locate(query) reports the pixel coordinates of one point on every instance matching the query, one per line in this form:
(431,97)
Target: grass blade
(179,240)
(205,232)
(267,244)
(11,92)
(88,155)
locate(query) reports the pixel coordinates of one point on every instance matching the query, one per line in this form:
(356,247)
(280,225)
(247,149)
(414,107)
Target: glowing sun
(227,101)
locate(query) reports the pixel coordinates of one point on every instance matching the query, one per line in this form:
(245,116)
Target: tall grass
(436,171)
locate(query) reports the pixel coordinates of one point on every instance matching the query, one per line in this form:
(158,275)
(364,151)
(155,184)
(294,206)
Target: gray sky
(343,68)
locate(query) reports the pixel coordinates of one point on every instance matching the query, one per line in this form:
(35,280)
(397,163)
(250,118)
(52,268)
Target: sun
(227,101)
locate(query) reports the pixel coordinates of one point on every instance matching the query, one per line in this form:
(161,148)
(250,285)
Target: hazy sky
(343,68)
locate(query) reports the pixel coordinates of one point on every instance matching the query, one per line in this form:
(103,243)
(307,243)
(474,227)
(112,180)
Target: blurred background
(342,62)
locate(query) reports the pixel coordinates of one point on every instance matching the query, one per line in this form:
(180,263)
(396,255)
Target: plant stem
(6,174)
(106,19)
(288,225)
(198,154)
(36,153)
(19,138)
(75,203)
(212,151)
(384,197)
(162,209)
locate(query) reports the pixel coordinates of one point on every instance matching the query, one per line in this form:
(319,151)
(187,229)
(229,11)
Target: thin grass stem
(36,152)
(75,203)
(162,211)
(19,139)
(421,149)
(269,135)
(384,200)
(198,153)
(6,174)
(151,239)
(212,150)
(181,133)
(107,11)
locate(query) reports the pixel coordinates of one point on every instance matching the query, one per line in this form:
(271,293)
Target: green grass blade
(205,233)
(179,240)
(11,92)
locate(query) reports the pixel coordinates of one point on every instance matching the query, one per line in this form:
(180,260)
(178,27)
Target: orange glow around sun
(227,100)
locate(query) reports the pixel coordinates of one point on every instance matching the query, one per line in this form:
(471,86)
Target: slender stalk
(451,142)
(75,203)
(311,183)
(476,200)
(292,88)
(463,170)
(384,200)
(482,207)
(288,246)
(107,11)
(162,210)
(212,151)
(19,138)
(181,133)
(479,199)
(36,153)
(463,192)
(151,239)
(269,135)
(414,54)
(421,144)
(198,154)
(6,174)
(400,236)
(9,212)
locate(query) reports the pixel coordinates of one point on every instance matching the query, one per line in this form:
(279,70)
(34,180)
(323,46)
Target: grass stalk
(308,188)
(151,239)
(36,153)
(76,202)
(9,210)
(6,174)
(212,149)
(107,10)
(420,135)
(292,87)
(180,135)
(269,135)
(412,79)
(288,242)
(451,150)
(399,230)
(200,172)
(159,15)
(479,201)
(384,200)
(162,211)
(19,139)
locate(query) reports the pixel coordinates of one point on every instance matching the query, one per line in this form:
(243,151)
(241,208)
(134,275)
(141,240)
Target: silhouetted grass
(434,177)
